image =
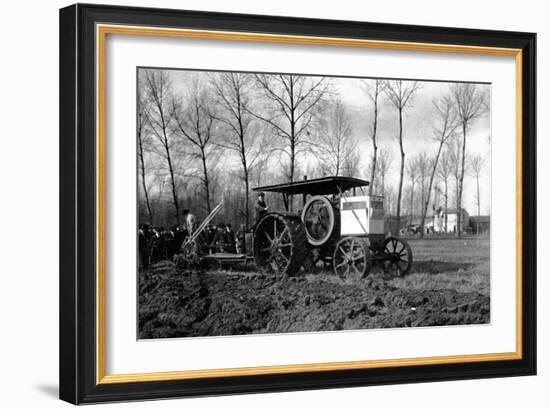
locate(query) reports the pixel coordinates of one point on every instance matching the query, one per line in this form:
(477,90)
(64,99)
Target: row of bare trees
(426,186)
(454,114)
(250,116)
(187,124)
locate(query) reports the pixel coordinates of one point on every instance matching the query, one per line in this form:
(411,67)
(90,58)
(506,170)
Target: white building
(450,219)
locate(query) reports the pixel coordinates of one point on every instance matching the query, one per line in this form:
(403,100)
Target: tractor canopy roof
(321,186)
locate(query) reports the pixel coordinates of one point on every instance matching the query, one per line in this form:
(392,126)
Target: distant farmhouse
(451,216)
(411,224)
(470,224)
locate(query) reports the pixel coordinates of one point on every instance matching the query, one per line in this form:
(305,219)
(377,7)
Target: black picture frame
(78,358)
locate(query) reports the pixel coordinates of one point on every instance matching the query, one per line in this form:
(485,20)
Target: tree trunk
(461,182)
(144,185)
(374,146)
(292,160)
(292,133)
(446,205)
(412,204)
(245,169)
(172,178)
(246,185)
(292,146)
(246,201)
(478,198)
(205,181)
(401,172)
(427,200)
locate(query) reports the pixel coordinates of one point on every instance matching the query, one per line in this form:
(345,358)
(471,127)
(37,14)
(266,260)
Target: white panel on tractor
(354,215)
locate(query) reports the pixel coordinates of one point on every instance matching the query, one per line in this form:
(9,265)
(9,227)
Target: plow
(189,253)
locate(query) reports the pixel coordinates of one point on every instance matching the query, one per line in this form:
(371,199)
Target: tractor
(338,224)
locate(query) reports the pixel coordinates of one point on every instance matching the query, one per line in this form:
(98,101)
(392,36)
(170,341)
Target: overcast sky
(418,123)
(418,132)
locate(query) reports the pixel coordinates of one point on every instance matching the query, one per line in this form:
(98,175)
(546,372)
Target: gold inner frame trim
(101,32)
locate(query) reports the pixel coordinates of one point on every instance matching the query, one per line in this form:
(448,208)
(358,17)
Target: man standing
(241,240)
(189,221)
(210,238)
(229,239)
(161,247)
(220,238)
(261,207)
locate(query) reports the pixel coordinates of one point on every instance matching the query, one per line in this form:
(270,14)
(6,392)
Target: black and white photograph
(282,202)
(275,204)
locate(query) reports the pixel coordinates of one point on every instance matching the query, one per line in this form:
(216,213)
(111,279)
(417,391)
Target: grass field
(461,265)
(449,284)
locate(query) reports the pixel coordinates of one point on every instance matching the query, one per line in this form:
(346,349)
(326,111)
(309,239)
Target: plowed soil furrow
(174,303)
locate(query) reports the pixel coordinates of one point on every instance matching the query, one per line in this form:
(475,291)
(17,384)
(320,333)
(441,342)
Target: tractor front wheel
(351,259)
(398,256)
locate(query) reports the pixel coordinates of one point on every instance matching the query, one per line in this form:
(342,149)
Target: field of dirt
(448,285)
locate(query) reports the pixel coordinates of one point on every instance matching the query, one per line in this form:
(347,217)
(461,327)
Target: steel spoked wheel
(351,259)
(279,244)
(188,255)
(398,256)
(319,220)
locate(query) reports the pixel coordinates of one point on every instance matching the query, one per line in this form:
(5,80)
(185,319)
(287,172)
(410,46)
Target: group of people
(158,243)
(222,239)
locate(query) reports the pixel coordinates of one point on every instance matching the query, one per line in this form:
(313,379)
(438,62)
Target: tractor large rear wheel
(280,244)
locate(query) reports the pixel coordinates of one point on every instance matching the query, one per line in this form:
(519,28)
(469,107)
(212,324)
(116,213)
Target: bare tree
(258,173)
(477,163)
(471,103)
(373,89)
(352,165)
(454,154)
(233,96)
(290,111)
(336,145)
(160,118)
(412,173)
(195,123)
(158,202)
(444,172)
(142,138)
(389,202)
(444,129)
(400,94)
(383,165)
(424,165)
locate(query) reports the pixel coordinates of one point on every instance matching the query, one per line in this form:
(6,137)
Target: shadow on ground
(438,267)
